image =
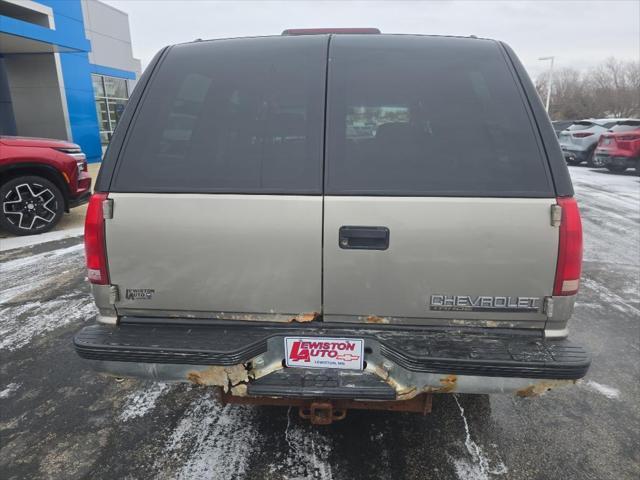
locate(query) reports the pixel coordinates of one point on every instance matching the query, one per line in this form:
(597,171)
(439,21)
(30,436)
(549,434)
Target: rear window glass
(580,126)
(428,116)
(233,116)
(626,127)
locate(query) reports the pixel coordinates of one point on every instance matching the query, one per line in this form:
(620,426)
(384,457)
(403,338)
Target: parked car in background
(40,179)
(619,148)
(560,125)
(579,140)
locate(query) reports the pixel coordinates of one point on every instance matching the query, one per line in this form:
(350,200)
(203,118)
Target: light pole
(550,81)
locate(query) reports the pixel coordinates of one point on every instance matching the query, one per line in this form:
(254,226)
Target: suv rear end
(336,221)
(619,148)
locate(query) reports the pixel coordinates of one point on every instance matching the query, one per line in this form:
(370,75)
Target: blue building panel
(112,72)
(60,38)
(81,106)
(71,9)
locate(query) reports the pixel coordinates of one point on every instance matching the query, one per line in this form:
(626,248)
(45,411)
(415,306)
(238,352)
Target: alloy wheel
(30,206)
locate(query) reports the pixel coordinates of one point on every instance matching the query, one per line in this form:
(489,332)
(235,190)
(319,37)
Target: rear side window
(231,116)
(428,116)
(580,126)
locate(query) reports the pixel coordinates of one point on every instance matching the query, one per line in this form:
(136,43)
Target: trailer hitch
(322,413)
(327,411)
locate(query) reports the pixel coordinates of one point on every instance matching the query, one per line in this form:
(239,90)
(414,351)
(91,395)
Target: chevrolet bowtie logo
(347,357)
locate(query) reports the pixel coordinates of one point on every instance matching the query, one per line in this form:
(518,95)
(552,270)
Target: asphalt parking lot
(59,420)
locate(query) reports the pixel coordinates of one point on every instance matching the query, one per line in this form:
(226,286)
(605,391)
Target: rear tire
(591,159)
(574,163)
(30,205)
(616,168)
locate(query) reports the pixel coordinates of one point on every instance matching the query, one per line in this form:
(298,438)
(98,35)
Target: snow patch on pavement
(30,304)
(610,208)
(29,240)
(479,467)
(612,299)
(10,390)
(307,455)
(215,442)
(22,322)
(30,273)
(142,401)
(609,392)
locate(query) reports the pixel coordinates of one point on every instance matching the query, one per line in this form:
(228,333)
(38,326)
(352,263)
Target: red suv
(40,179)
(619,148)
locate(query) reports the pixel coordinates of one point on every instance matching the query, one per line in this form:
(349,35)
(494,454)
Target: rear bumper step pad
(322,383)
(474,352)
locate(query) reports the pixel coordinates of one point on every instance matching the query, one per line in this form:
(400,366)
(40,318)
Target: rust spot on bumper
(542,387)
(229,378)
(449,384)
(376,319)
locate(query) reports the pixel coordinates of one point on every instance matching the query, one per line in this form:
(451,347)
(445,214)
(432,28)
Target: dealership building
(66,70)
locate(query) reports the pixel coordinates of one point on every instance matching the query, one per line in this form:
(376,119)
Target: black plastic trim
(477,352)
(322,383)
(80,200)
(555,158)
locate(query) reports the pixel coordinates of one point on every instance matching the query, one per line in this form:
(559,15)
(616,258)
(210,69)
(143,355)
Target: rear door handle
(363,238)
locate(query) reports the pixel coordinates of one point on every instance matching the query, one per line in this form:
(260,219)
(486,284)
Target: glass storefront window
(111,97)
(98,87)
(116,107)
(115,87)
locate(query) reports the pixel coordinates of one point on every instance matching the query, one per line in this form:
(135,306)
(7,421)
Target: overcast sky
(579,33)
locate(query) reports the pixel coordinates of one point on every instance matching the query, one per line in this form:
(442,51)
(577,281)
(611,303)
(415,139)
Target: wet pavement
(60,420)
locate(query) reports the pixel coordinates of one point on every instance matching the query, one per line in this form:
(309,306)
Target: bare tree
(611,89)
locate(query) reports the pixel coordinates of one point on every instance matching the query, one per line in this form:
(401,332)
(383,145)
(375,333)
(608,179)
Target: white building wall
(107,28)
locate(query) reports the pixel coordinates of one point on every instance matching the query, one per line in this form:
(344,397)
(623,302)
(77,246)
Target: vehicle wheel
(616,168)
(591,159)
(30,205)
(574,162)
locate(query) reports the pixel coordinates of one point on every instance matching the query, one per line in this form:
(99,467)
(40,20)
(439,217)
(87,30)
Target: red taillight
(628,138)
(582,134)
(569,249)
(94,247)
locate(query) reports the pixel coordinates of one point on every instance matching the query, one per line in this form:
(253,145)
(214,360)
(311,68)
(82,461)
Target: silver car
(345,221)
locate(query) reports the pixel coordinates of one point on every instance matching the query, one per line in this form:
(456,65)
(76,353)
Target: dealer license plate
(323,352)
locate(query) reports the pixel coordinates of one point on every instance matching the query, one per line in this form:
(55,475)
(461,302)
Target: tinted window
(428,116)
(237,116)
